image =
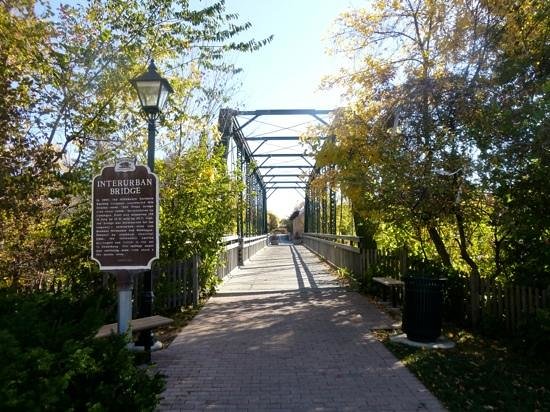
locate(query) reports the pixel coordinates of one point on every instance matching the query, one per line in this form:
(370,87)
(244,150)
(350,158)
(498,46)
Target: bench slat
(136,325)
(388,281)
(393,284)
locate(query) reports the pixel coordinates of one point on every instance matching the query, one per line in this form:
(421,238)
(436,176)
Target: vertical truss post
(317,213)
(332,197)
(256,206)
(225,125)
(250,201)
(260,216)
(324,209)
(248,196)
(321,211)
(332,203)
(264,210)
(307,212)
(250,216)
(260,211)
(240,205)
(313,215)
(240,208)
(254,213)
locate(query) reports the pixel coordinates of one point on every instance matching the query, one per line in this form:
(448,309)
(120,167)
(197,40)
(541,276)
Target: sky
(286,73)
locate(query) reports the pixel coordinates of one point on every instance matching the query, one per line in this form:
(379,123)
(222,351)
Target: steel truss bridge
(272,161)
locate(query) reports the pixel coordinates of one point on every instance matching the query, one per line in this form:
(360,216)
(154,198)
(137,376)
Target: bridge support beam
(320,207)
(251,216)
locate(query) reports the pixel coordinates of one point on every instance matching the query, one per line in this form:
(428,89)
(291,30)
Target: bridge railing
(342,251)
(237,250)
(252,245)
(229,257)
(346,252)
(176,285)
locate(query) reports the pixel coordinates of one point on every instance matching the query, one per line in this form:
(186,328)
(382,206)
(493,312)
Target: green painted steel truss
(265,170)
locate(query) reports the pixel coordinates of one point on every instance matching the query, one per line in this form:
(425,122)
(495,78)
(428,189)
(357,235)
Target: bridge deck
(282,335)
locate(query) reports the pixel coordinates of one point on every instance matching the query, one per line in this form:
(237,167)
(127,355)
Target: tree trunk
(474,275)
(464,254)
(440,246)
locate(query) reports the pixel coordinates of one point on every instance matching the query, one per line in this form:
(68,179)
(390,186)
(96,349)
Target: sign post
(125,213)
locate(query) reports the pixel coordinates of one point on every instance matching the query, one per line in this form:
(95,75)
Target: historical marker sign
(125,217)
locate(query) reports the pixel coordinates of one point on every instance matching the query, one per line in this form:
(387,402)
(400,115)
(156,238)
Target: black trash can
(423,307)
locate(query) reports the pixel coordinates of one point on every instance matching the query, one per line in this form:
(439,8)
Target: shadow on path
(286,337)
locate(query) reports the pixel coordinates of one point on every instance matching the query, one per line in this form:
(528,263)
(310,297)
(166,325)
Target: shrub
(51,361)
(534,336)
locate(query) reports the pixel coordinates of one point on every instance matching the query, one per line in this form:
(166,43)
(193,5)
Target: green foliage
(534,336)
(272,222)
(197,208)
(426,269)
(344,218)
(510,128)
(526,254)
(50,360)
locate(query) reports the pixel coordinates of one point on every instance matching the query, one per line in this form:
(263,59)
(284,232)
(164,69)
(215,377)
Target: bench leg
(384,293)
(393,296)
(147,349)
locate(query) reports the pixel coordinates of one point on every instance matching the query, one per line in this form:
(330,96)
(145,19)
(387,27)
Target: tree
(272,221)
(344,217)
(27,171)
(446,115)
(403,117)
(511,131)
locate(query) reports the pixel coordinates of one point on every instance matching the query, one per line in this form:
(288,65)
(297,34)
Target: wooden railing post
(195,280)
(363,259)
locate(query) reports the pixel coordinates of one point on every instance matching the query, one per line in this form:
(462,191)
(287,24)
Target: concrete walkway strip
(282,335)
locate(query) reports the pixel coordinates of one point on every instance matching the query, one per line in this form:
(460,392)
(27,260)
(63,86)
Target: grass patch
(480,374)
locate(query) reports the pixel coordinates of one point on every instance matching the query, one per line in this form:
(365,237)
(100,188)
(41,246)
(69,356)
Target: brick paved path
(281,335)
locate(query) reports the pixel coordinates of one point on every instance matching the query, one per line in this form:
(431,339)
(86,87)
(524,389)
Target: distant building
(297,219)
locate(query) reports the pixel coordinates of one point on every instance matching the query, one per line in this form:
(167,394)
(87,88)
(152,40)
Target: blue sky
(286,73)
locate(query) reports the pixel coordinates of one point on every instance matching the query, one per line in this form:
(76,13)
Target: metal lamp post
(153,91)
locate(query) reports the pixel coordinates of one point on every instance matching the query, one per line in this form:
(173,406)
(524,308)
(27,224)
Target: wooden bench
(392,284)
(136,325)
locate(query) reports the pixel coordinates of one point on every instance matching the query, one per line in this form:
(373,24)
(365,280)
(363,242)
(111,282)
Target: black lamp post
(153,91)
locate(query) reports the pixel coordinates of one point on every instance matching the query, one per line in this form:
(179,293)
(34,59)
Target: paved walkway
(281,335)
